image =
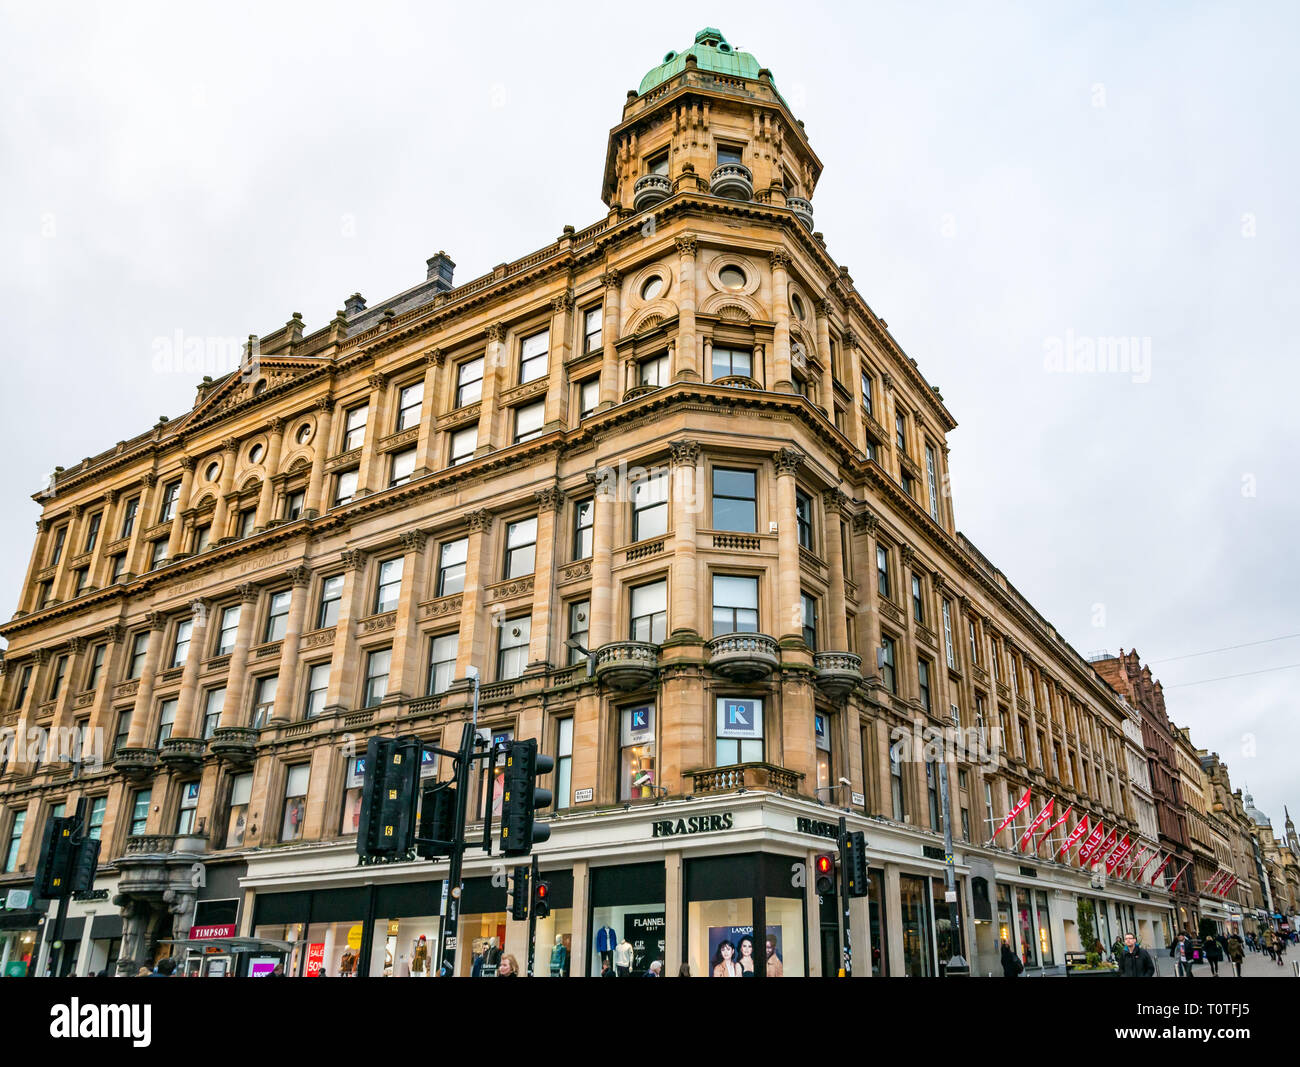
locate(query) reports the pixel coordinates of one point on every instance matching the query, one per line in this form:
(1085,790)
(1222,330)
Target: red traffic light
(825,863)
(824,866)
(543,891)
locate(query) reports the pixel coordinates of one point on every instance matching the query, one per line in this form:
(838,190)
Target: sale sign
(315,959)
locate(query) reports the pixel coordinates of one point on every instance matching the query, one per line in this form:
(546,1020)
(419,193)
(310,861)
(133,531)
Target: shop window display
(405,948)
(627,918)
(637,752)
(1025,924)
(744,936)
(918,950)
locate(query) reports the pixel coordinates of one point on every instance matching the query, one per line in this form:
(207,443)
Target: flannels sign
(695,824)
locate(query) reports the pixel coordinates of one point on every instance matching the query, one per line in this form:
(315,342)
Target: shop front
(21,925)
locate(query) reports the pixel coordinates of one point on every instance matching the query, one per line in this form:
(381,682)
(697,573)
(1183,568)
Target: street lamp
(841,784)
(577,646)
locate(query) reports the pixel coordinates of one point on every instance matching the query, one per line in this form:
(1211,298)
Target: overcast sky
(1009,186)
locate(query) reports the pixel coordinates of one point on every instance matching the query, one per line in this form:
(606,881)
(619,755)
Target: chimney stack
(440,269)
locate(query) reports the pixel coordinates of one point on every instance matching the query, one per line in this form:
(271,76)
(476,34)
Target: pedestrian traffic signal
(824,866)
(521,797)
(85,858)
(386,825)
(519,878)
(541,899)
(437,834)
(53,868)
(855,856)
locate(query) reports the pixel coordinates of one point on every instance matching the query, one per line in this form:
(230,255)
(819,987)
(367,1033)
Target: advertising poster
(315,959)
(645,931)
(262,966)
(733,953)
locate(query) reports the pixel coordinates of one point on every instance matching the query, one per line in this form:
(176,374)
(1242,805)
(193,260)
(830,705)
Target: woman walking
(1236,953)
(1213,954)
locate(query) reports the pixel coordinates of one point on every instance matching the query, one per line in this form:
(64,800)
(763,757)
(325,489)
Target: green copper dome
(711,52)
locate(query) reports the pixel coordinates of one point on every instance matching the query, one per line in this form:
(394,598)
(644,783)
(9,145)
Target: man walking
(1135,961)
(1182,954)
(1236,953)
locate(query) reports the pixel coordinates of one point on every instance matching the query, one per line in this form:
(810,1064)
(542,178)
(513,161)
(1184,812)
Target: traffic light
(386,828)
(437,820)
(855,855)
(519,892)
(55,863)
(85,858)
(521,798)
(824,867)
(541,899)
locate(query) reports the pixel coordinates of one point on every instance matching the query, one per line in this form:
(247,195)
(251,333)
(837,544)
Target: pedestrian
(1213,954)
(655,970)
(1135,961)
(163,968)
(476,968)
(1182,954)
(684,971)
(607,969)
(1279,949)
(508,967)
(1236,953)
(1011,965)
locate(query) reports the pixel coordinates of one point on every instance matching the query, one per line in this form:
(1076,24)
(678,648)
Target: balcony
(234,744)
(627,665)
(136,763)
(738,381)
(742,776)
(837,673)
(744,657)
(183,753)
(649,190)
(732,180)
(802,210)
(165,844)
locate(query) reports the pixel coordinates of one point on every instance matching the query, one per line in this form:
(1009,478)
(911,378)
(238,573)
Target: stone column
(426,441)
(343,658)
(611,389)
(39,551)
(62,718)
(101,711)
(149,483)
(684,616)
(781,377)
(893,911)
(558,342)
(369,478)
(687,350)
(826,359)
(58,592)
(853,383)
(408,661)
(868,616)
(838,628)
(232,711)
(495,375)
(474,637)
(200,613)
(225,487)
(316,504)
(266,499)
(138,737)
(182,504)
(789,617)
(286,688)
(546,621)
(605,481)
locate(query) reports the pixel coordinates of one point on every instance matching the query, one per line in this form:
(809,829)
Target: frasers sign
(695,824)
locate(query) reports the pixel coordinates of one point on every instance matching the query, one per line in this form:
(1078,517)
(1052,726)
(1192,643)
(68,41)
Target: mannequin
(420,957)
(559,956)
(404,967)
(623,958)
(492,958)
(606,942)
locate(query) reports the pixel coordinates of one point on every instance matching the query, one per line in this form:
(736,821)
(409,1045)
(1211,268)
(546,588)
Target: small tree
(1087,931)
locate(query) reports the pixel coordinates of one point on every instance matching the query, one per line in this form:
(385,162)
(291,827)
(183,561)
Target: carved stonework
(780,259)
(414,540)
(686,246)
(156,620)
(887,380)
(550,499)
(479,521)
(230,444)
(353,559)
(276,425)
(115,633)
(563,301)
(612,279)
(867,522)
(41,656)
(826,306)
(907,554)
(187,463)
(435,357)
(377,381)
(199,609)
(604,480)
(685,453)
(496,333)
(77,645)
(149,480)
(789,461)
(940,584)
(248,592)
(299,575)
(325,403)
(835,499)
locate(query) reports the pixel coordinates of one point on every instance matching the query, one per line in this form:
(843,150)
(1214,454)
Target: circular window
(255,454)
(797,305)
(732,277)
(304,432)
(652,288)
(214,468)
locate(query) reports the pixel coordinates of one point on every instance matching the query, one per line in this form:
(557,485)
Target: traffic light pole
(532,913)
(450,918)
(844,896)
(55,940)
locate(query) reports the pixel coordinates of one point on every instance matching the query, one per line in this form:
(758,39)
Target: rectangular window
(997,672)
(295,801)
(463,444)
(887,672)
(318,683)
(442,661)
(898,795)
(734,500)
(739,731)
(933,479)
(649,613)
(808,609)
(228,629)
(530,420)
(214,704)
(123,732)
(202,538)
(867,401)
(331,596)
(171,493)
(139,812)
(377,667)
(56,553)
(592,320)
(402,466)
(732,362)
(451,566)
(974,642)
(932,795)
(882,570)
(119,566)
(923,683)
(469,382)
(533,351)
(653,371)
(264,690)
(584,512)
(92,531)
(650,506)
(354,427)
(241,792)
(588,397)
(947,634)
(345,486)
(900,433)
(918,603)
(249,516)
(563,764)
(60,670)
(189,805)
(277,616)
(293,505)
(730,154)
(389,589)
(181,645)
(96,670)
(512,656)
(128,516)
(579,628)
(24,681)
(908,483)
(735,605)
(15,841)
(410,399)
(803,519)
(139,648)
(636,745)
(521,548)
(95,820)
(657,164)
(158,553)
